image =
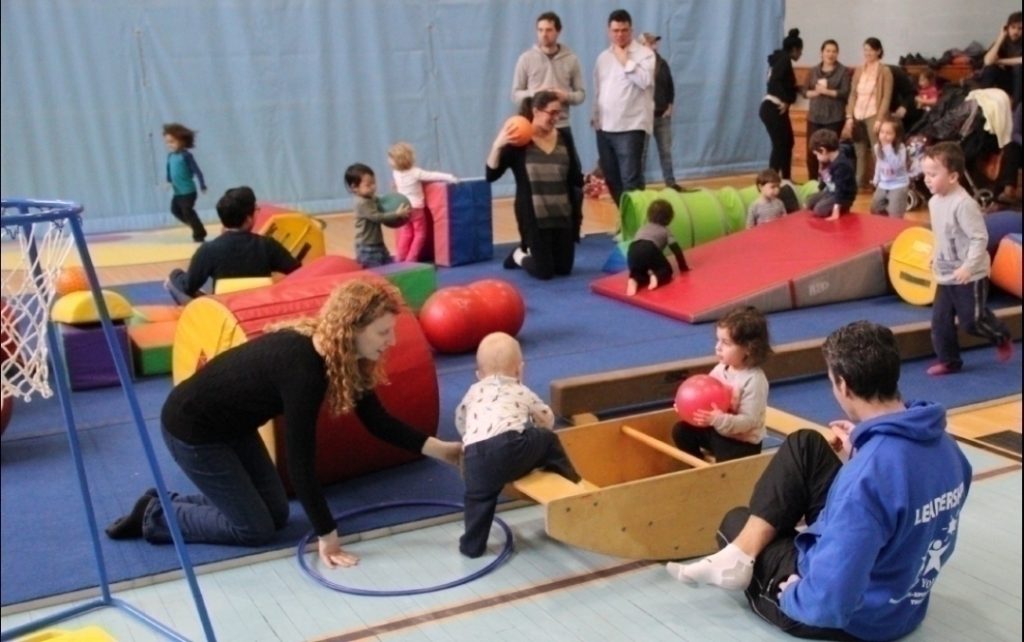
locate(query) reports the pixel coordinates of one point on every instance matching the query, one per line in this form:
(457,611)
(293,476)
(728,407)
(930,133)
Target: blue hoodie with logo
(889,524)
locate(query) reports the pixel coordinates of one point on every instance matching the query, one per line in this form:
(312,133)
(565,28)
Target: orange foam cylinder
(210,325)
(1006,266)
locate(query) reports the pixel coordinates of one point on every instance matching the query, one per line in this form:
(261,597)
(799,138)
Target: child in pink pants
(409,183)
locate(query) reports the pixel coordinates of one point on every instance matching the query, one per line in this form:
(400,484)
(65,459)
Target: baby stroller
(957,119)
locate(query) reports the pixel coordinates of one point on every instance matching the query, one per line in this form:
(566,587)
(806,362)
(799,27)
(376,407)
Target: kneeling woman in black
(549,184)
(210,424)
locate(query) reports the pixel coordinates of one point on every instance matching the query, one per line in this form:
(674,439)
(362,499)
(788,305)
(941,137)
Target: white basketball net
(28,291)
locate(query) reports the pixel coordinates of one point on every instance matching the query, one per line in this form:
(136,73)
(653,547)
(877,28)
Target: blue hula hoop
(505,553)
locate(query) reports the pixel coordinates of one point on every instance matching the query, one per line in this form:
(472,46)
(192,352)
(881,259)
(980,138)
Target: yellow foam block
(224,286)
(86,634)
(79,307)
(910,266)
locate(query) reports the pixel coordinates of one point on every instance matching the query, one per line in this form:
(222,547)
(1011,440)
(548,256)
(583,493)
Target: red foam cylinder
(324,266)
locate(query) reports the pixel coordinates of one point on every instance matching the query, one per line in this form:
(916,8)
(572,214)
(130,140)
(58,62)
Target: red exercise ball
(502,307)
(701,392)
(521,131)
(450,319)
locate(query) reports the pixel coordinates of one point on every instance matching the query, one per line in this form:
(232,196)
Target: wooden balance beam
(578,399)
(643,498)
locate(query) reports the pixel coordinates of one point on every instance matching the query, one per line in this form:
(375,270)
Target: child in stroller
(981,122)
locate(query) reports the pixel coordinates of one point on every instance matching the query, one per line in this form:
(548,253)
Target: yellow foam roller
(79,307)
(205,329)
(910,266)
(224,286)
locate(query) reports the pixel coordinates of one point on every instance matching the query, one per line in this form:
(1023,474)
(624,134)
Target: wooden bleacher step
(544,487)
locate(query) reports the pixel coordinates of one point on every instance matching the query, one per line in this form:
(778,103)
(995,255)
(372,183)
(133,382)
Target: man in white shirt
(623,105)
(550,66)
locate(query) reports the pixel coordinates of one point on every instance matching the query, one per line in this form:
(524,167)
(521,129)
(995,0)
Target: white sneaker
(734,578)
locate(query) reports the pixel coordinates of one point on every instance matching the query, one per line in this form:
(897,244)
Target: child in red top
(927,90)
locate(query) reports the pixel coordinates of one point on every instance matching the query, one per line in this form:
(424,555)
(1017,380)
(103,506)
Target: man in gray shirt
(550,66)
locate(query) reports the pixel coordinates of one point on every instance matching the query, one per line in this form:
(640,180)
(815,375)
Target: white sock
(729,568)
(518,255)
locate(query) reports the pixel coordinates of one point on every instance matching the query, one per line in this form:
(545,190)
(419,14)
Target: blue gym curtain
(286,93)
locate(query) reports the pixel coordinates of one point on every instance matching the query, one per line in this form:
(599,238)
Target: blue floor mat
(568,331)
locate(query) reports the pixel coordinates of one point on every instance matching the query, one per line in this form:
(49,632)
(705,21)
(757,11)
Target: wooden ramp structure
(642,498)
(645,499)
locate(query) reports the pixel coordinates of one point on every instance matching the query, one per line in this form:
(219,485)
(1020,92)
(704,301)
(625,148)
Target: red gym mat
(795,262)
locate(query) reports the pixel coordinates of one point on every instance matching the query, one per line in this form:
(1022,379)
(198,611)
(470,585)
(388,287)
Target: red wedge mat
(797,261)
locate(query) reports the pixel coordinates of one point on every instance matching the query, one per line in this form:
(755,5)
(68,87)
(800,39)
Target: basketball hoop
(36,237)
(43,239)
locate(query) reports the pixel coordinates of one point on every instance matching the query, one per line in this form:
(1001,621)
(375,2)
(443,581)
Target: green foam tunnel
(633,214)
(733,208)
(805,191)
(705,212)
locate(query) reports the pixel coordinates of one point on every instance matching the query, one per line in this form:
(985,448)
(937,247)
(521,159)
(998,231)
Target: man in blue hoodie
(880,526)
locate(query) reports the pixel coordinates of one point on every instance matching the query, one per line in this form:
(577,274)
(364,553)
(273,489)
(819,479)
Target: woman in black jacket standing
(781,94)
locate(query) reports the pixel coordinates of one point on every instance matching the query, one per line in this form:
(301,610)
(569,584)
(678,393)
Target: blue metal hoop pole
(30,212)
(505,553)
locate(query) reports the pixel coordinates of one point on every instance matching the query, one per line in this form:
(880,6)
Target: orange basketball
(71,279)
(521,131)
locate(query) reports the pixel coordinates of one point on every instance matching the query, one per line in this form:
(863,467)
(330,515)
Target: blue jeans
(621,156)
(372,255)
(177,286)
(663,139)
(242,500)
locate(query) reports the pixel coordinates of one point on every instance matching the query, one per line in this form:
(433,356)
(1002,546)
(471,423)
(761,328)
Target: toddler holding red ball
(742,346)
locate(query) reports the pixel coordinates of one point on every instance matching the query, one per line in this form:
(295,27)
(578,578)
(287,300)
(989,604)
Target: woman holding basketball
(210,423)
(549,184)
(741,346)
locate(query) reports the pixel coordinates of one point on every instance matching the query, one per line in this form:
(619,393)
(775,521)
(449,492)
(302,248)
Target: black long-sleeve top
(238,254)
(664,86)
(514,158)
(278,373)
(782,78)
